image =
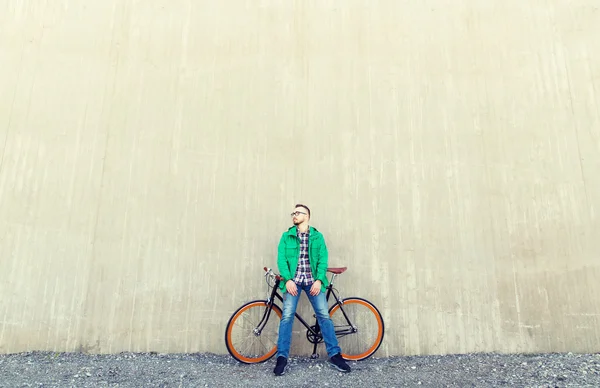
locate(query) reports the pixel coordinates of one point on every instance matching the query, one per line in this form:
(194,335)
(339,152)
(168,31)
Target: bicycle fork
(265,318)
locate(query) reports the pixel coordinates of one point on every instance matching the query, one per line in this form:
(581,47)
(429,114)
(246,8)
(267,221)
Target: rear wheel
(359,328)
(252,331)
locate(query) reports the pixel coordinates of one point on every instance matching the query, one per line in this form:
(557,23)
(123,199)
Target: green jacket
(288,252)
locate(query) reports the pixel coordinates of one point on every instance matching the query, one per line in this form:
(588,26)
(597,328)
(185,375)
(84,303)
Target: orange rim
(377,342)
(236,354)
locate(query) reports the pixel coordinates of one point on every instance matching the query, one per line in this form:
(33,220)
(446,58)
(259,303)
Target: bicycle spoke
(268,338)
(363,317)
(262,343)
(251,341)
(242,341)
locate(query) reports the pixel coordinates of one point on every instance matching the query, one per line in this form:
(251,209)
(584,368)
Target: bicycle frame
(316,331)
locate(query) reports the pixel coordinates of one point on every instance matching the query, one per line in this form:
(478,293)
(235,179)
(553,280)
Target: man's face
(299,215)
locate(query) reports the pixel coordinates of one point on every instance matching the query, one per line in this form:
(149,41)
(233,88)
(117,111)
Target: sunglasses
(296,213)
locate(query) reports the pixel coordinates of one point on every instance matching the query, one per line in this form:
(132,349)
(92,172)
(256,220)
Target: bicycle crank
(312,337)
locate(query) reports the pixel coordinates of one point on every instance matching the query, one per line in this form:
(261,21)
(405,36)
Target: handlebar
(269,272)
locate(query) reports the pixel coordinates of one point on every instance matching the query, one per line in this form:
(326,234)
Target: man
(302,262)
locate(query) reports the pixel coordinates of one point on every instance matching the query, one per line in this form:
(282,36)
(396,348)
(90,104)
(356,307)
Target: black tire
(256,309)
(356,309)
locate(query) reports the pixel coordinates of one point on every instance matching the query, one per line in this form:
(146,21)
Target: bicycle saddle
(337,271)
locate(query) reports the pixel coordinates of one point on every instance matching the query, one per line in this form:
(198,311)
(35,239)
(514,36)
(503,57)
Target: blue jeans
(319,304)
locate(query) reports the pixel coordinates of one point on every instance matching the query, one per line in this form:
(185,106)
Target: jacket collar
(292,230)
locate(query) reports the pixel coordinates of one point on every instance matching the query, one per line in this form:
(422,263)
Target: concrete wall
(151,152)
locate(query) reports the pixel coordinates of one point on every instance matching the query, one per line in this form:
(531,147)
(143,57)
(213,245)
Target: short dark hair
(304,206)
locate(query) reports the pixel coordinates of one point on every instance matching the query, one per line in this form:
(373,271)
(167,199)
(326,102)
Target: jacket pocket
(291,252)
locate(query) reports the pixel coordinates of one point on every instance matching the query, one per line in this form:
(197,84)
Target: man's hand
(291,287)
(315,288)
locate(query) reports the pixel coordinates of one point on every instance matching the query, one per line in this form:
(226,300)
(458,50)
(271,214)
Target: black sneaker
(338,363)
(280,367)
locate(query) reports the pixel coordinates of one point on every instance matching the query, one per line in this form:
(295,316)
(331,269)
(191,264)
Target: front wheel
(252,331)
(358,326)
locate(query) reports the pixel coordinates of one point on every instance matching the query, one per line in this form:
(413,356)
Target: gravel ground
(36,369)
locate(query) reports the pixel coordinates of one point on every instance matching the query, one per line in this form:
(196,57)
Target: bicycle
(352,317)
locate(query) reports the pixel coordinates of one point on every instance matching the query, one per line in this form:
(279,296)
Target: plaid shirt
(303,273)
